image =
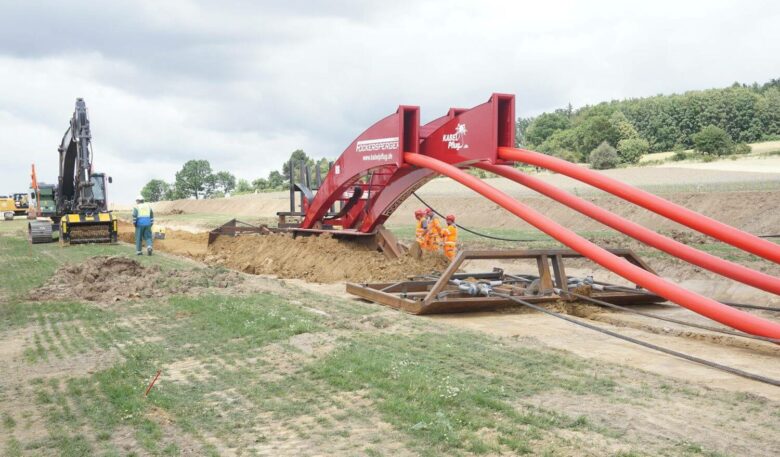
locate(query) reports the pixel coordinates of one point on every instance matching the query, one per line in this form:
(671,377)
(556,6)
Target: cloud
(244,83)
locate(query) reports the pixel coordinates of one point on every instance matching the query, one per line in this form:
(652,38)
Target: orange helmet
(450,218)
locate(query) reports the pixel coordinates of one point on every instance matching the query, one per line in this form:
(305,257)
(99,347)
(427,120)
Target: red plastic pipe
(702,305)
(707,261)
(677,213)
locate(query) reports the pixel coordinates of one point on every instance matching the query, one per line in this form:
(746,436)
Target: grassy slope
(377,382)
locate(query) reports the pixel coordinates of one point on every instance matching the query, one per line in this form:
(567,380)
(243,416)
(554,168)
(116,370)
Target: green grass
(442,391)
(437,388)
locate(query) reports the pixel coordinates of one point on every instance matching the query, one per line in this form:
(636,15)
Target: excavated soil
(321,259)
(179,242)
(113,278)
(317,259)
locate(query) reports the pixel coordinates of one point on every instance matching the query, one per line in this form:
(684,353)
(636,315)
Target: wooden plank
(444,279)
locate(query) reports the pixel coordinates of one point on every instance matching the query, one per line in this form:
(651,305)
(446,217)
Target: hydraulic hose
(677,213)
(734,318)
(675,248)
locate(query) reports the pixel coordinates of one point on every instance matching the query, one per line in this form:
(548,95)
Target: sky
(244,83)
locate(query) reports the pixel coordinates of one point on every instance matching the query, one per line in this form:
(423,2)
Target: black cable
(717,366)
(668,319)
(498,238)
(769,236)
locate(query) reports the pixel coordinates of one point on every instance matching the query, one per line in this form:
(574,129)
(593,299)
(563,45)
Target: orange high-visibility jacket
(419,231)
(450,234)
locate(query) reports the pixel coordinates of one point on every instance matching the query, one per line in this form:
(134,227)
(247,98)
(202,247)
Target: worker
(432,236)
(450,235)
(143,219)
(419,232)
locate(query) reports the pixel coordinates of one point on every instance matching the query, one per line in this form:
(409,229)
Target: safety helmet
(450,218)
(428,212)
(139,198)
(418,213)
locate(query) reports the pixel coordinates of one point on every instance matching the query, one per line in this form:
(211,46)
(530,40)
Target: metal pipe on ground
(654,203)
(702,305)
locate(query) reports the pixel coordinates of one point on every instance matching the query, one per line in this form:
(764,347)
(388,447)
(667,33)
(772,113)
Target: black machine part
(79,189)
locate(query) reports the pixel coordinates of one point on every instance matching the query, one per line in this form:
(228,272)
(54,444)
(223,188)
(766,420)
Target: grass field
(273,369)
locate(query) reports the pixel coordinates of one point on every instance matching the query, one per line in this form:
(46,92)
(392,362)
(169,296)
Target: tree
(296,157)
(603,157)
(225,182)
(195,179)
(260,184)
(243,187)
(155,190)
(173,193)
(594,131)
(713,140)
(623,127)
(544,126)
(275,180)
(632,149)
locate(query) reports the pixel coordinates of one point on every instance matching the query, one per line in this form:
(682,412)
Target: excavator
(81,204)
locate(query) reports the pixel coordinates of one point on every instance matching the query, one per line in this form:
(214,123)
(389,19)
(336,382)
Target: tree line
(713,121)
(196,179)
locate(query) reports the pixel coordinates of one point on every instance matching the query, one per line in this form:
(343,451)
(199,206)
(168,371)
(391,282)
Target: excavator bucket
(93,228)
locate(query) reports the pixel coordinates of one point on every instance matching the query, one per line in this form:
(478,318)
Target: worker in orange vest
(432,241)
(419,231)
(450,235)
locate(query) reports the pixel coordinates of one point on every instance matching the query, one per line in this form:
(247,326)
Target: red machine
(396,156)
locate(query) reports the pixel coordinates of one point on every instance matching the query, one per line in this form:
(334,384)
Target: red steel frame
(396,156)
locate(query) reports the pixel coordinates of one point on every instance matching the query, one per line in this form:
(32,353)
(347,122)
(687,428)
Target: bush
(679,156)
(632,149)
(713,140)
(604,157)
(742,148)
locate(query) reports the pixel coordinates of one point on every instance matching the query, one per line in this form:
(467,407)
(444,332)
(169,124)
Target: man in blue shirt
(143,219)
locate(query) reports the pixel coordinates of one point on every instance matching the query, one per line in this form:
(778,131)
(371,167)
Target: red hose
(677,213)
(710,262)
(705,306)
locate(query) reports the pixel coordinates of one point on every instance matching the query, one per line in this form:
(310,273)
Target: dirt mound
(316,258)
(177,242)
(113,278)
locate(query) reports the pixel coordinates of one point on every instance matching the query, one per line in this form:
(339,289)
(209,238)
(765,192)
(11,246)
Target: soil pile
(179,242)
(113,278)
(316,259)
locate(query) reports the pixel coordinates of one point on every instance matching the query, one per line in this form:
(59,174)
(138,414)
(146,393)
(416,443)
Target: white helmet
(139,198)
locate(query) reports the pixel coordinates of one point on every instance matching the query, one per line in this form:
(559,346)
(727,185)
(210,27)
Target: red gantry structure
(396,156)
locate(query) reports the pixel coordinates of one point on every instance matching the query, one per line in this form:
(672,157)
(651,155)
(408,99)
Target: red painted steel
(702,305)
(379,147)
(677,213)
(715,264)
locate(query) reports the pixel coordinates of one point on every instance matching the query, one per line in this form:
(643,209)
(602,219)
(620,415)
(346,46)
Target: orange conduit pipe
(677,213)
(710,262)
(708,307)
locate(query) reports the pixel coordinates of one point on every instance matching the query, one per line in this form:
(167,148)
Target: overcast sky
(244,83)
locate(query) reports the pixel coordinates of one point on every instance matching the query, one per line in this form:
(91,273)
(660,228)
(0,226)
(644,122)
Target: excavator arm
(82,208)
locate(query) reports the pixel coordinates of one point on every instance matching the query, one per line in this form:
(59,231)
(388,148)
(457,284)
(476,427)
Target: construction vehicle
(81,204)
(41,210)
(394,157)
(21,203)
(7,208)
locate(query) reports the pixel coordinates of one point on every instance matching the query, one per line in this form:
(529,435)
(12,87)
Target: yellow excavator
(81,211)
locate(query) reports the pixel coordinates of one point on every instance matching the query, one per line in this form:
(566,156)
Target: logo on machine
(376,147)
(455,140)
(380,144)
